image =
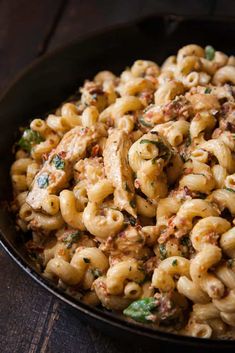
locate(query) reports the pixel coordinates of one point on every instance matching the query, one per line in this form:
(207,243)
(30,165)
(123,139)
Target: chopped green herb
(164,151)
(154,160)
(209,52)
(231,190)
(86,260)
(207,90)
(71,239)
(199,174)
(29,139)
(162,251)
(132,203)
(43,181)
(161,309)
(156,143)
(58,162)
(140,310)
(144,123)
(230,263)
(96,272)
(174,262)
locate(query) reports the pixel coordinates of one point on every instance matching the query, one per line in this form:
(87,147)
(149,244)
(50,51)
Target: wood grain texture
(25,27)
(82,17)
(24,309)
(224,8)
(33,321)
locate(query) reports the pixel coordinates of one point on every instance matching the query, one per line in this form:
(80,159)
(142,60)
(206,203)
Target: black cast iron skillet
(50,80)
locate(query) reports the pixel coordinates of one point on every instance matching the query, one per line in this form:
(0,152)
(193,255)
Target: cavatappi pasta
(129,192)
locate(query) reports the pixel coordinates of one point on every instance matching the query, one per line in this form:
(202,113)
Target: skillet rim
(95,313)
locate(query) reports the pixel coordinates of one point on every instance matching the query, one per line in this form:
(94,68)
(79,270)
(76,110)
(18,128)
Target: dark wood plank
(64,333)
(179,8)
(224,8)
(24,30)
(24,309)
(82,17)
(33,321)
(104,344)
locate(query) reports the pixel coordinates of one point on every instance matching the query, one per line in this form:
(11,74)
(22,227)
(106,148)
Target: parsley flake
(164,151)
(29,139)
(207,90)
(58,162)
(43,181)
(209,52)
(71,239)
(229,189)
(162,251)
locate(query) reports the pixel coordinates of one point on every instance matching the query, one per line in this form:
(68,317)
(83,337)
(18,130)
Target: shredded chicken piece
(118,170)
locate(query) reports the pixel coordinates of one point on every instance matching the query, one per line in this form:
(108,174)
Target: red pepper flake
(95,150)
(138,226)
(170,221)
(52,178)
(62,154)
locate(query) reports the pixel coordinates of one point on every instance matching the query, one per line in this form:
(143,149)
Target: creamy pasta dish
(128,193)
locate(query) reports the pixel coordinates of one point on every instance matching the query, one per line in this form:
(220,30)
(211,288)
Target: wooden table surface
(31,319)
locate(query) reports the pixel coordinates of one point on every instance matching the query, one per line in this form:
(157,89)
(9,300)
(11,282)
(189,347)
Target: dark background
(31,320)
